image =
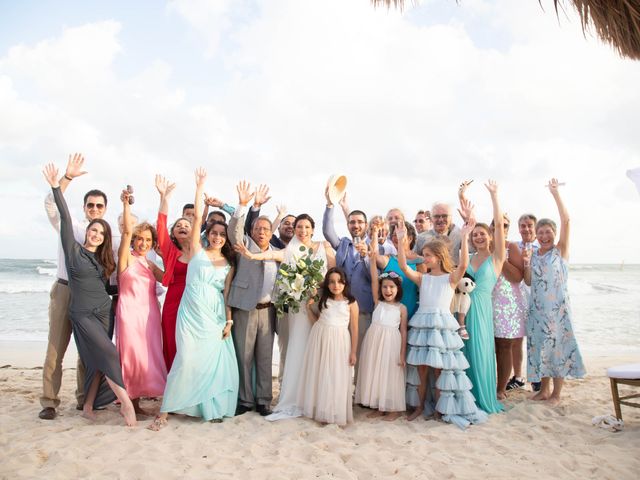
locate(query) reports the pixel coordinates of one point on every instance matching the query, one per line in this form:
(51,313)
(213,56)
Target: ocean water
(605,300)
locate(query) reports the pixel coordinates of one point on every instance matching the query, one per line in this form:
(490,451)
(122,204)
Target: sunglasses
(91,205)
(419,220)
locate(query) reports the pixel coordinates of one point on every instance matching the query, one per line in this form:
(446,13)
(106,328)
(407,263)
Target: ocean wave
(52,272)
(26,287)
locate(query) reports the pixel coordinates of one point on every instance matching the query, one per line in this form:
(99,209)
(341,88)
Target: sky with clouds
(286,92)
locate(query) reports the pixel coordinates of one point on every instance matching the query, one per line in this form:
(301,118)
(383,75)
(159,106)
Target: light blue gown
(480,348)
(552,349)
(203,381)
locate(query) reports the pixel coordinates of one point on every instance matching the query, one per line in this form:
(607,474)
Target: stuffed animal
(462,302)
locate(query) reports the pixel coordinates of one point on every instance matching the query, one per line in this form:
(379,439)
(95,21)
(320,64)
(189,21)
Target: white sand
(529,441)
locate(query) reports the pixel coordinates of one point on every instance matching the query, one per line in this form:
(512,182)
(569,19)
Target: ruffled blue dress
(433,340)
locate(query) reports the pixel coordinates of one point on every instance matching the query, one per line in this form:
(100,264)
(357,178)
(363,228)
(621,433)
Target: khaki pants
(364,322)
(59,336)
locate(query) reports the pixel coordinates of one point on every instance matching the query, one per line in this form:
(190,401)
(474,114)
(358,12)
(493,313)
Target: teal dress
(409,289)
(203,381)
(480,348)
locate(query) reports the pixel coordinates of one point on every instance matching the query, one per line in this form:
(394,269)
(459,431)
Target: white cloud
(406,107)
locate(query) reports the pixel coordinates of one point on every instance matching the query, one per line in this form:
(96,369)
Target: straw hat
(337,185)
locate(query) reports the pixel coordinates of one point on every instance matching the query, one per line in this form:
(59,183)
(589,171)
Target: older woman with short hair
(552,349)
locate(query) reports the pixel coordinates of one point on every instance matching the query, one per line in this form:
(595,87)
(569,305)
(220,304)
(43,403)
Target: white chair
(626,375)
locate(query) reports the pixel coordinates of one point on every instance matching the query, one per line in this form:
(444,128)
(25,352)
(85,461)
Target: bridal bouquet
(298,281)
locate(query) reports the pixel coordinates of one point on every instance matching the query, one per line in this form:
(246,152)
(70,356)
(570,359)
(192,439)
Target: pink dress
(139,332)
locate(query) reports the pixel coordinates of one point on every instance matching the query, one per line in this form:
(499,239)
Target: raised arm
(165,189)
(236,225)
(411,274)
(127,233)
(458,273)
(198,204)
(512,268)
(563,240)
(328,228)
(277,255)
(282,212)
(50,173)
(499,251)
(74,169)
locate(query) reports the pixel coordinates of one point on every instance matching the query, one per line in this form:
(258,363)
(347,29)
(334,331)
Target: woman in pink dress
(175,248)
(138,329)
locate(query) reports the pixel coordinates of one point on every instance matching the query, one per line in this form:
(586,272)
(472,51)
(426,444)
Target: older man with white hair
(443,226)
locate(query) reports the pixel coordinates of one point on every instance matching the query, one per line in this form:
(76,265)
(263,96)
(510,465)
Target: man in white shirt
(442,218)
(95,206)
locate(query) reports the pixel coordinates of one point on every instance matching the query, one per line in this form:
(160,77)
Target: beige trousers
(59,336)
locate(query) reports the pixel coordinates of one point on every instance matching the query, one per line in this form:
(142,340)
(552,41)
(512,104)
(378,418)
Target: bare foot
(158,424)
(415,414)
(391,416)
(129,414)
(541,396)
(89,414)
(502,395)
(553,401)
(375,414)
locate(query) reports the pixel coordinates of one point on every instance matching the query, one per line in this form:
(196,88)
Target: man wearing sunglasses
(95,206)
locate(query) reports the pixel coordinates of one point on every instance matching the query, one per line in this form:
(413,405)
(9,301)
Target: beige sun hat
(337,185)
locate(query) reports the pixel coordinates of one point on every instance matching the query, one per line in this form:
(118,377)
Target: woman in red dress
(175,248)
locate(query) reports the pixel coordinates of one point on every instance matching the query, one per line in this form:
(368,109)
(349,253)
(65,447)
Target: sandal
(608,422)
(462,331)
(157,424)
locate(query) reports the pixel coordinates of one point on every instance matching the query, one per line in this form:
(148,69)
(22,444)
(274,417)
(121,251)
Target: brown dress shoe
(47,413)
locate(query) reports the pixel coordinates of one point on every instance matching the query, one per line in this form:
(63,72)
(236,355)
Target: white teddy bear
(462,303)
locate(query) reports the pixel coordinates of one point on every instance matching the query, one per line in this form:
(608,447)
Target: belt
(260,306)
(63,282)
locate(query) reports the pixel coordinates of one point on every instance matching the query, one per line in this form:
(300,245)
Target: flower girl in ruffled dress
(381,375)
(433,339)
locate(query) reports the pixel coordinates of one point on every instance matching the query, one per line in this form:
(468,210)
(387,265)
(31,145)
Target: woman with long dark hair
(89,267)
(204,380)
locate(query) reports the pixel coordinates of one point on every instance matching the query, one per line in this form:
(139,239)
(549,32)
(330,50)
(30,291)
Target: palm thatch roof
(616,22)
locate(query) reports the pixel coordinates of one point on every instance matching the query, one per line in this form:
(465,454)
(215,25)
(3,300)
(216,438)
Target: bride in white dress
(299,323)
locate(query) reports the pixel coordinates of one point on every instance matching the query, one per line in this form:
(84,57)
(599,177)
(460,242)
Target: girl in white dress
(381,374)
(324,393)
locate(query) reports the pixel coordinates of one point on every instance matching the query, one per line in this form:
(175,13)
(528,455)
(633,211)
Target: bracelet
(67,177)
(229,322)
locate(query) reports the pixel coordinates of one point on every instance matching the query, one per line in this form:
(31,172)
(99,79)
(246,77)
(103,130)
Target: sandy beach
(528,441)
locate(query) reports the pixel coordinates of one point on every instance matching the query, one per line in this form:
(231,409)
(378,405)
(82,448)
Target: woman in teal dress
(483,265)
(389,265)
(203,381)
(552,349)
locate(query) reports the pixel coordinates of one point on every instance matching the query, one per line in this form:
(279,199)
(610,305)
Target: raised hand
(213,201)
(244,192)
(201,177)
(74,166)
(326,196)
(343,202)
(466,209)
(163,186)
(401,230)
(50,173)
(468,227)
(463,189)
(282,210)
(492,186)
(261,196)
(554,185)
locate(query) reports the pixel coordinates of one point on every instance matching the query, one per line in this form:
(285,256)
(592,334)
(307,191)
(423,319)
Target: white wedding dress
(299,328)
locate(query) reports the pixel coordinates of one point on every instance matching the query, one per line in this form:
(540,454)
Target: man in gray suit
(252,308)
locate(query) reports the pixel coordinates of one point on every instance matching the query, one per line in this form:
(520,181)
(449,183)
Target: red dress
(175,274)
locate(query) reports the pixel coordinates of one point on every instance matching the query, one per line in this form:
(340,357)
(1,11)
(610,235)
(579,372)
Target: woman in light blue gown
(483,265)
(203,381)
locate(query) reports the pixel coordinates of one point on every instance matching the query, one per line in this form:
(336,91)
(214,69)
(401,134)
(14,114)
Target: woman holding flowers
(304,264)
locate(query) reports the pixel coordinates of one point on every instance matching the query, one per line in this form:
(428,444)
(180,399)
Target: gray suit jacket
(247,282)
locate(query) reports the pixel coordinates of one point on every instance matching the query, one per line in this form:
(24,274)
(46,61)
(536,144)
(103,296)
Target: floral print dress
(552,349)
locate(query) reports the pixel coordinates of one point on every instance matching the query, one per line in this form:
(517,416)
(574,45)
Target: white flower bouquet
(298,281)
